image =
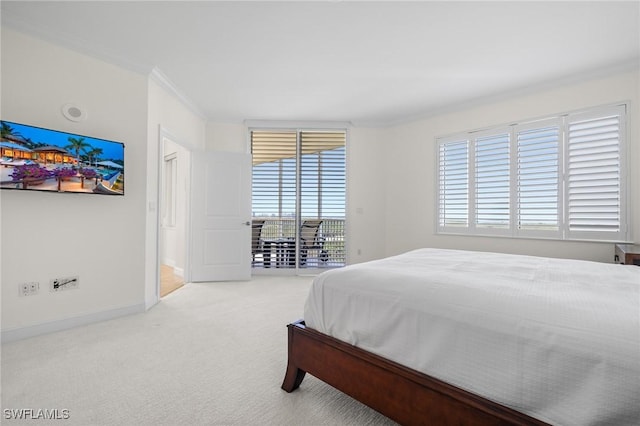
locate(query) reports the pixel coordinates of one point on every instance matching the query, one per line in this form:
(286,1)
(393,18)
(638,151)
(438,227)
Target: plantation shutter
(492,181)
(453,184)
(594,184)
(538,178)
(562,177)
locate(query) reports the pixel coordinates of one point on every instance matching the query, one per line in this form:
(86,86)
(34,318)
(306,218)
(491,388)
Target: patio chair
(311,240)
(256,240)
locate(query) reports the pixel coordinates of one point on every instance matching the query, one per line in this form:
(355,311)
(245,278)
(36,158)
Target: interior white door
(220,216)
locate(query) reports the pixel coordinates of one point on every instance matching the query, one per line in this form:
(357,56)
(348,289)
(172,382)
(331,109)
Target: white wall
(366,196)
(227,137)
(46,235)
(410,167)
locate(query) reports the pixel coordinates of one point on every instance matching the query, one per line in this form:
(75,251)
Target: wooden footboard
(400,393)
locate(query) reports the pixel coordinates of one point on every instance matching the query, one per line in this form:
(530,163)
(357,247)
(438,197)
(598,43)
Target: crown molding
(163,81)
(289,124)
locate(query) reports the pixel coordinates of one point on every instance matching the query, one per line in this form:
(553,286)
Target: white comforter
(556,339)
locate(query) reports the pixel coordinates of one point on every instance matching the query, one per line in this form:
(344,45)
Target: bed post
(294,375)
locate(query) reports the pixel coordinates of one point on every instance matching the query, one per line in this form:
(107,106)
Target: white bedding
(556,339)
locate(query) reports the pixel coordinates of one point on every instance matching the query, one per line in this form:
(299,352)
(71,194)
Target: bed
(438,336)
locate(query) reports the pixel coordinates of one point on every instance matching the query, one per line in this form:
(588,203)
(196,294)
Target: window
(298,176)
(454,183)
(274,174)
(322,174)
(538,171)
(594,166)
(492,174)
(562,177)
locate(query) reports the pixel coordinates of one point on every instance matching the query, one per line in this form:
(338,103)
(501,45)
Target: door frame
(162,135)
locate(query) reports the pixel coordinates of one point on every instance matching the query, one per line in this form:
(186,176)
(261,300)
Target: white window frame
(444,228)
(624,233)
(531,233)
(485,230)
(304,210)
(563,232)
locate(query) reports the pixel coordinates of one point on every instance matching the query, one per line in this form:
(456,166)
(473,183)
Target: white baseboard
(168,262)
(20,333)
(178,271)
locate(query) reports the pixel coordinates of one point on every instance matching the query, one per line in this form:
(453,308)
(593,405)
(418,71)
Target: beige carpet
(207,354)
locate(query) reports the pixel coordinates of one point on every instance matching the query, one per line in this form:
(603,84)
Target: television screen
(40,159)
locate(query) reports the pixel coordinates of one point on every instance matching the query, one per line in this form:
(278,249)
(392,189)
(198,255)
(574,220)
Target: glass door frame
(258,126)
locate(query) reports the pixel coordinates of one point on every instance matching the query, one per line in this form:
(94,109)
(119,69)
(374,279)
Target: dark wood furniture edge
(400,393)
(628,254)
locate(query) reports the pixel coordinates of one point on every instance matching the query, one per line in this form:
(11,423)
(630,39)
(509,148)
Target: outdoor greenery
(77,145)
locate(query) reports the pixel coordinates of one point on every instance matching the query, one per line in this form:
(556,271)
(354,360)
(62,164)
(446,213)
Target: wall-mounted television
(38,159)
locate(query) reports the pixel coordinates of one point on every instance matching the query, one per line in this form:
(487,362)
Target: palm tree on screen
(76,145)
(6,131)
(94,154)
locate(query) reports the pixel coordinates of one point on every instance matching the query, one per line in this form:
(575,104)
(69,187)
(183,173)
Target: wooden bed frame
(400,393)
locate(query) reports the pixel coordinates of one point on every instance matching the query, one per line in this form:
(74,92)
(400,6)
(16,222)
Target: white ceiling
(370,63)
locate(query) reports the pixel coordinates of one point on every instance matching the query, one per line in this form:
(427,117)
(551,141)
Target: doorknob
(247,223)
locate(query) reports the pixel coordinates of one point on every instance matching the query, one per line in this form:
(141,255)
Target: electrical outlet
(28,289)
(66,283)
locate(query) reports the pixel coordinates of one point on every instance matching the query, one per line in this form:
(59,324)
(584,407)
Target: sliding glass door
(298,196)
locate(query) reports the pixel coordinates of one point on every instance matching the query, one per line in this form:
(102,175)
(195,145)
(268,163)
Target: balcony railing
(277,243)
